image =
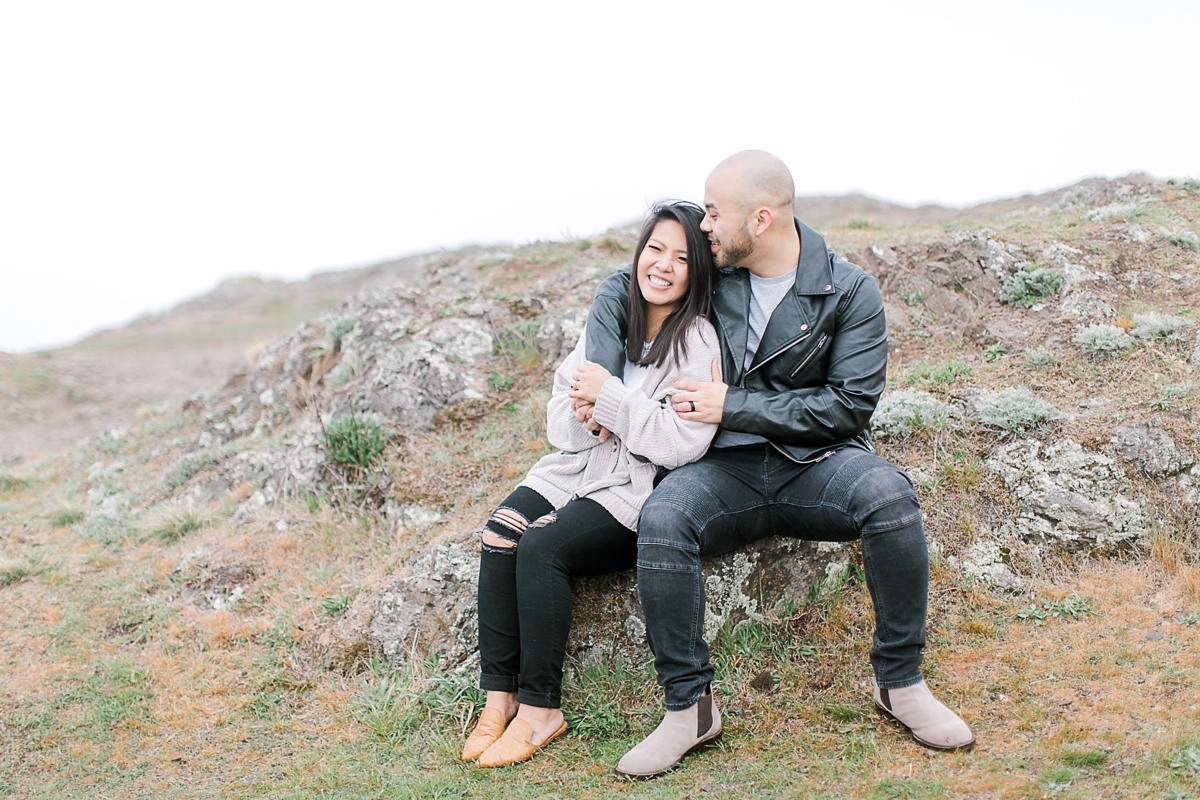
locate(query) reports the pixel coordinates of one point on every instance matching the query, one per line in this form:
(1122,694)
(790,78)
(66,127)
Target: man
(804,354)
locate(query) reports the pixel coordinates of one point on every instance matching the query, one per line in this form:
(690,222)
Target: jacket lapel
(731,302)
(790,322)
(787,325)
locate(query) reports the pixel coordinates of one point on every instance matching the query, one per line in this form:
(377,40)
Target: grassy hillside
(171,636)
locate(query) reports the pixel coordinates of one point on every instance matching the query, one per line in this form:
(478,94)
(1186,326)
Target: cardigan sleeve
(562,429)
(648,424)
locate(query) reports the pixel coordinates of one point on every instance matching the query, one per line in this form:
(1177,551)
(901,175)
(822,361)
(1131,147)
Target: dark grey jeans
(732,497)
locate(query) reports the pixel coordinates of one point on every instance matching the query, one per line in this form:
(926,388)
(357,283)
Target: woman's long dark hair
(672,337)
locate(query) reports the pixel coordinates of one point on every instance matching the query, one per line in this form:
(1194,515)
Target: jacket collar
(815,273)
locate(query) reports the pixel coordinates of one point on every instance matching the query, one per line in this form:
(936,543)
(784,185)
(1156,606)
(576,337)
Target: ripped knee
(544,520)
(503,530)
(497,542)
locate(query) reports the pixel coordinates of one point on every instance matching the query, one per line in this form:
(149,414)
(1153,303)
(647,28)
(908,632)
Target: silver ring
(693,402)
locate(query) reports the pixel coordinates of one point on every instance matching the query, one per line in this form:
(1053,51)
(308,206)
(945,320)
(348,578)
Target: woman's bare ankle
(544,721)
(504,702)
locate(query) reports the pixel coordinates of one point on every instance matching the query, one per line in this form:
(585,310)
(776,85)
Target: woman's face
(662,268)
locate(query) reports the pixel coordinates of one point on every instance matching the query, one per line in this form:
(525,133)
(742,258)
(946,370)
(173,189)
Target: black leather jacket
(821,365)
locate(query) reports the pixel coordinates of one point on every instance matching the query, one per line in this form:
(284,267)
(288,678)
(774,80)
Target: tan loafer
(489,728)
(516,745)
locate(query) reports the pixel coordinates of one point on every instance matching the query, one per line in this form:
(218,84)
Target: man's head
(748,203)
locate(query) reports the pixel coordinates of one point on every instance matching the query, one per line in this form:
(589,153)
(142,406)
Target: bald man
(804,355)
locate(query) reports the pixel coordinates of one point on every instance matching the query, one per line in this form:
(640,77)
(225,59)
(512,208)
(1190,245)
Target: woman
(576,512)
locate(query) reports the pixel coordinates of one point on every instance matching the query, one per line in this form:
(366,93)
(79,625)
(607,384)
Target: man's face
(727,228)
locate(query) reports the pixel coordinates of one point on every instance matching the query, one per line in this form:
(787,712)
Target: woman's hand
(587,381)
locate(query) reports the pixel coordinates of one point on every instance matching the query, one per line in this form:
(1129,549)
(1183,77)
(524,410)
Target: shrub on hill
(1015,409)
(1157,326)
(1039,357)
(900,414)
(1026,287)
(355,440)
(1097,339)
(1184,238)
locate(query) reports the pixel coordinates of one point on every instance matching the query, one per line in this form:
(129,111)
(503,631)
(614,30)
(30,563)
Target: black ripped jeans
(525,591)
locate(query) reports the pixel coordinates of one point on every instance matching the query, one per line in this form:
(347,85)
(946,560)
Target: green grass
(336,605)
(356,440)
(890,788)
(65,516)
(173,523)
(501,382)
(942,373)
(1084,758)
(186,467)
(614,246)
(11,484)
(16,570)
(518,344)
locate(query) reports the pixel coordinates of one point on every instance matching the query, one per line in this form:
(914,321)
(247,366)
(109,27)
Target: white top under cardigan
(647,433)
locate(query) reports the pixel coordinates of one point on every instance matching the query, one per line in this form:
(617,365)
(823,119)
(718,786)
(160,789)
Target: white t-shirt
(765,296)
(634,374)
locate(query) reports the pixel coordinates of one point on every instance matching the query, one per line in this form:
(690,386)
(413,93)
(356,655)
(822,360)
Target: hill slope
(53,397)
(208,602)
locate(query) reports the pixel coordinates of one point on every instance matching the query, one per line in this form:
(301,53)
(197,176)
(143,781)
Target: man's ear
(762,217)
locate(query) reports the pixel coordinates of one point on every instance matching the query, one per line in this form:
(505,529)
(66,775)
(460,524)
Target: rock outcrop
(433,607)
(1071,497)
(465,333)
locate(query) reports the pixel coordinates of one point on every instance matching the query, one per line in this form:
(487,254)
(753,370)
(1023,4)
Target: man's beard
(737,249)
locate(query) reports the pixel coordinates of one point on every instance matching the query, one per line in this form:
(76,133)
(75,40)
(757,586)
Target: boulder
(1151,449)
(1071,497)
(432,608)
(1085,305)
(986,561)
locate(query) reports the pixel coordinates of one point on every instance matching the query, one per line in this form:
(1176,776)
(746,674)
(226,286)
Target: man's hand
(701,401)
(583,413)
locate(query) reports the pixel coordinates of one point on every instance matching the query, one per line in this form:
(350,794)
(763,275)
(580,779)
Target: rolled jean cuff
(672,706)
(539,699)
(498,683)
(902,684)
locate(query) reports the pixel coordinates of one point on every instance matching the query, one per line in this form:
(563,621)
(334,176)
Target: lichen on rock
(1150,448)
(985,561)
(1071,497)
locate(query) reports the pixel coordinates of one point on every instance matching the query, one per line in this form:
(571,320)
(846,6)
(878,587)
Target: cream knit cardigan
(647,433)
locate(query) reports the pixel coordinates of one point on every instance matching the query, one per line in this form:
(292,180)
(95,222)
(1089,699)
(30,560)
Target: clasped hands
(698,401)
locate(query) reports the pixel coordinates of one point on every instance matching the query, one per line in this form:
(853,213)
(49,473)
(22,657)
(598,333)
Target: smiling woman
(576,512)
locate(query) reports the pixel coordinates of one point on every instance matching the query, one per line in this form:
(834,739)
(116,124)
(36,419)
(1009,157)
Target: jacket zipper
(809,357)
(793,459)
(778,352)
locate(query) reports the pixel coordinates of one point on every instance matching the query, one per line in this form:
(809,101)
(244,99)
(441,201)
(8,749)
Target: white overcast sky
(149,150)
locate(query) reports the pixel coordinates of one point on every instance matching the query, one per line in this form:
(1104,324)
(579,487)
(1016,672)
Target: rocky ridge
(441,352)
